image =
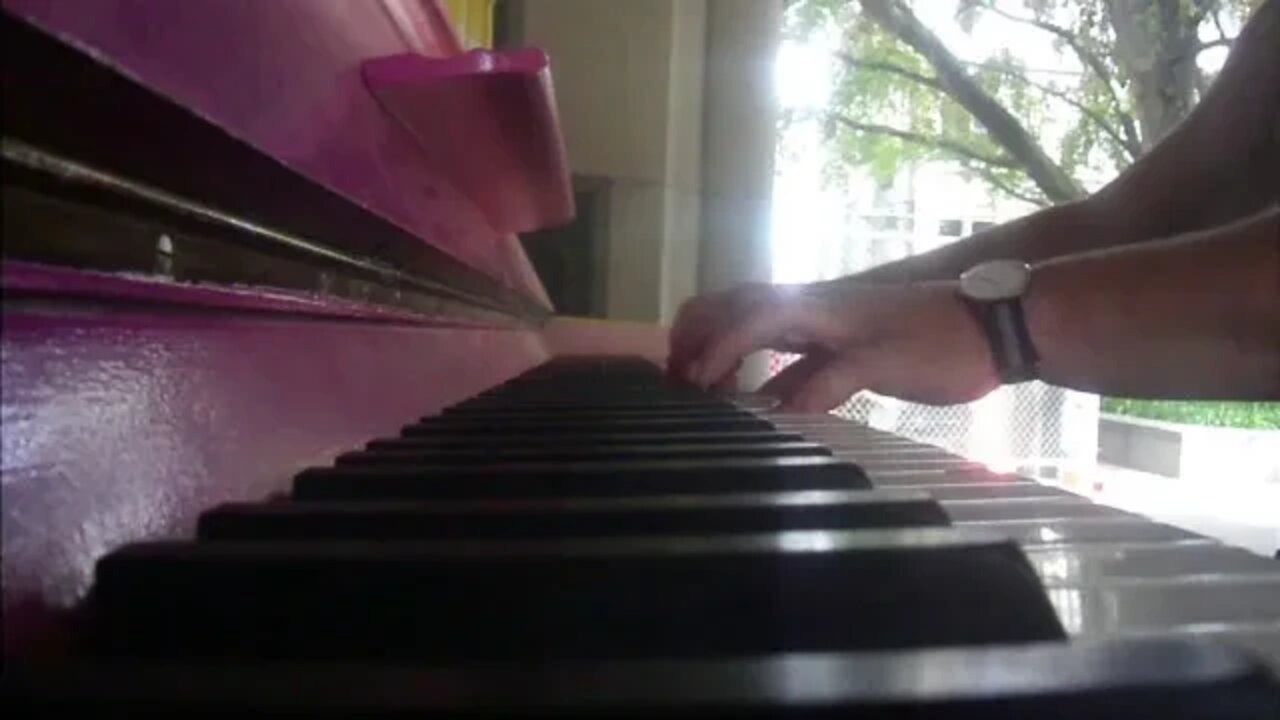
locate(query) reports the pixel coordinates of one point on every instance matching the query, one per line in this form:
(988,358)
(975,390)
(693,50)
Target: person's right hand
(916,342)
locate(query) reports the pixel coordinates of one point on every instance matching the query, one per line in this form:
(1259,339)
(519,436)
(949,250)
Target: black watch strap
(1006,328)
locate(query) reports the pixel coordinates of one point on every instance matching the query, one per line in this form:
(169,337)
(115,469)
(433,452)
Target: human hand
(915,342)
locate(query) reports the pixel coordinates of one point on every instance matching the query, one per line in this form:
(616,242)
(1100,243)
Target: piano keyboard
(590,538)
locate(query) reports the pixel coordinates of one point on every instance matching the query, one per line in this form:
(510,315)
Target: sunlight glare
(802,75)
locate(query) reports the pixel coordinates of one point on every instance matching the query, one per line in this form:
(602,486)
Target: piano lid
(261,111)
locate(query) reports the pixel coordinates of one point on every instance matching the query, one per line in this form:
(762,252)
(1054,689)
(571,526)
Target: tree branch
(1203,9)
(1002,186)
(1090,60)
(1002,127)
(1220,42)
(1217,22)
(951,146)
(990,65)
(890,68)
(1098,118)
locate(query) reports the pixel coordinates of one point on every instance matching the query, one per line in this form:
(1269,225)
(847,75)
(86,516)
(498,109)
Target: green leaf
(1254,415)
(1082,147)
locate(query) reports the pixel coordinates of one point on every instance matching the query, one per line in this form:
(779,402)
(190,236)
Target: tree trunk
(1156,46)
(1002,127)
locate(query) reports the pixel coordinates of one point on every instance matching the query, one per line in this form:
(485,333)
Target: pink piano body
(130,404)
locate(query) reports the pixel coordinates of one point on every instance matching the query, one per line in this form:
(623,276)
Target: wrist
(994,292)
(1047,319)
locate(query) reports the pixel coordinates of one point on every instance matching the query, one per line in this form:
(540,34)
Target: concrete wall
(1141,446)
(629,79)
(629,83)
(738,145)
(1222,456)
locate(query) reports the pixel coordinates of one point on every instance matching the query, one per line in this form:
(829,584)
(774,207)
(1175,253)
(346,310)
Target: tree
(1039,135)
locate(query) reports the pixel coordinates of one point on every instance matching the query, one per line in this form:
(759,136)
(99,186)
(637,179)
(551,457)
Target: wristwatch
(994,291)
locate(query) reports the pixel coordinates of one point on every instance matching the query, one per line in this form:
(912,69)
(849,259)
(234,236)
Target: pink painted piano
(289,424)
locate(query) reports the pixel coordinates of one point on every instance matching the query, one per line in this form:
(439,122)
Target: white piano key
(897,465)
(1084,530)
(1118,609)
(1097,564)
(942,491)
(1029,509)
(1262,639)
(879,450)
(1107,572)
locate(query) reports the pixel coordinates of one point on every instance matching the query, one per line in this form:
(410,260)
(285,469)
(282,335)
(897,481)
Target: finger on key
(693,322)
(784,384)
(828,388)
(778,326)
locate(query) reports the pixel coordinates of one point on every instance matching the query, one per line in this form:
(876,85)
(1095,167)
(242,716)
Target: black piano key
(1029,509)
(641,597)
(983,491)
(495,439)
(1170,679)
(559,453)
(881,465)
(581,413)
(585,393)
(551,375)
(597,404)
(587,389)
(605,365)
(948,476)
(569,425)
(585,479)
(553,387)
(607,389)
(580,517)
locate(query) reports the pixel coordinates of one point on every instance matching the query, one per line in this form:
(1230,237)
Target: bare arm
(1193,317)
(1222,163)
(898,329)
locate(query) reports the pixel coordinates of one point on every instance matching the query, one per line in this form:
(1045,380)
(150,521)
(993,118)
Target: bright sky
(806,216)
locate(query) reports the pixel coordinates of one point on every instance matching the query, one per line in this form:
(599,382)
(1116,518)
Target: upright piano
(288,425)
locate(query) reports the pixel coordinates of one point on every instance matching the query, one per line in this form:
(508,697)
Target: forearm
(1192,317)
(1050,233)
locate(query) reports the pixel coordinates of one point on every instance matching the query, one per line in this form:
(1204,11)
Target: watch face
(996,280)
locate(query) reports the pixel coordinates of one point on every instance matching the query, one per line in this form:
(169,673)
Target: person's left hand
(915,342)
